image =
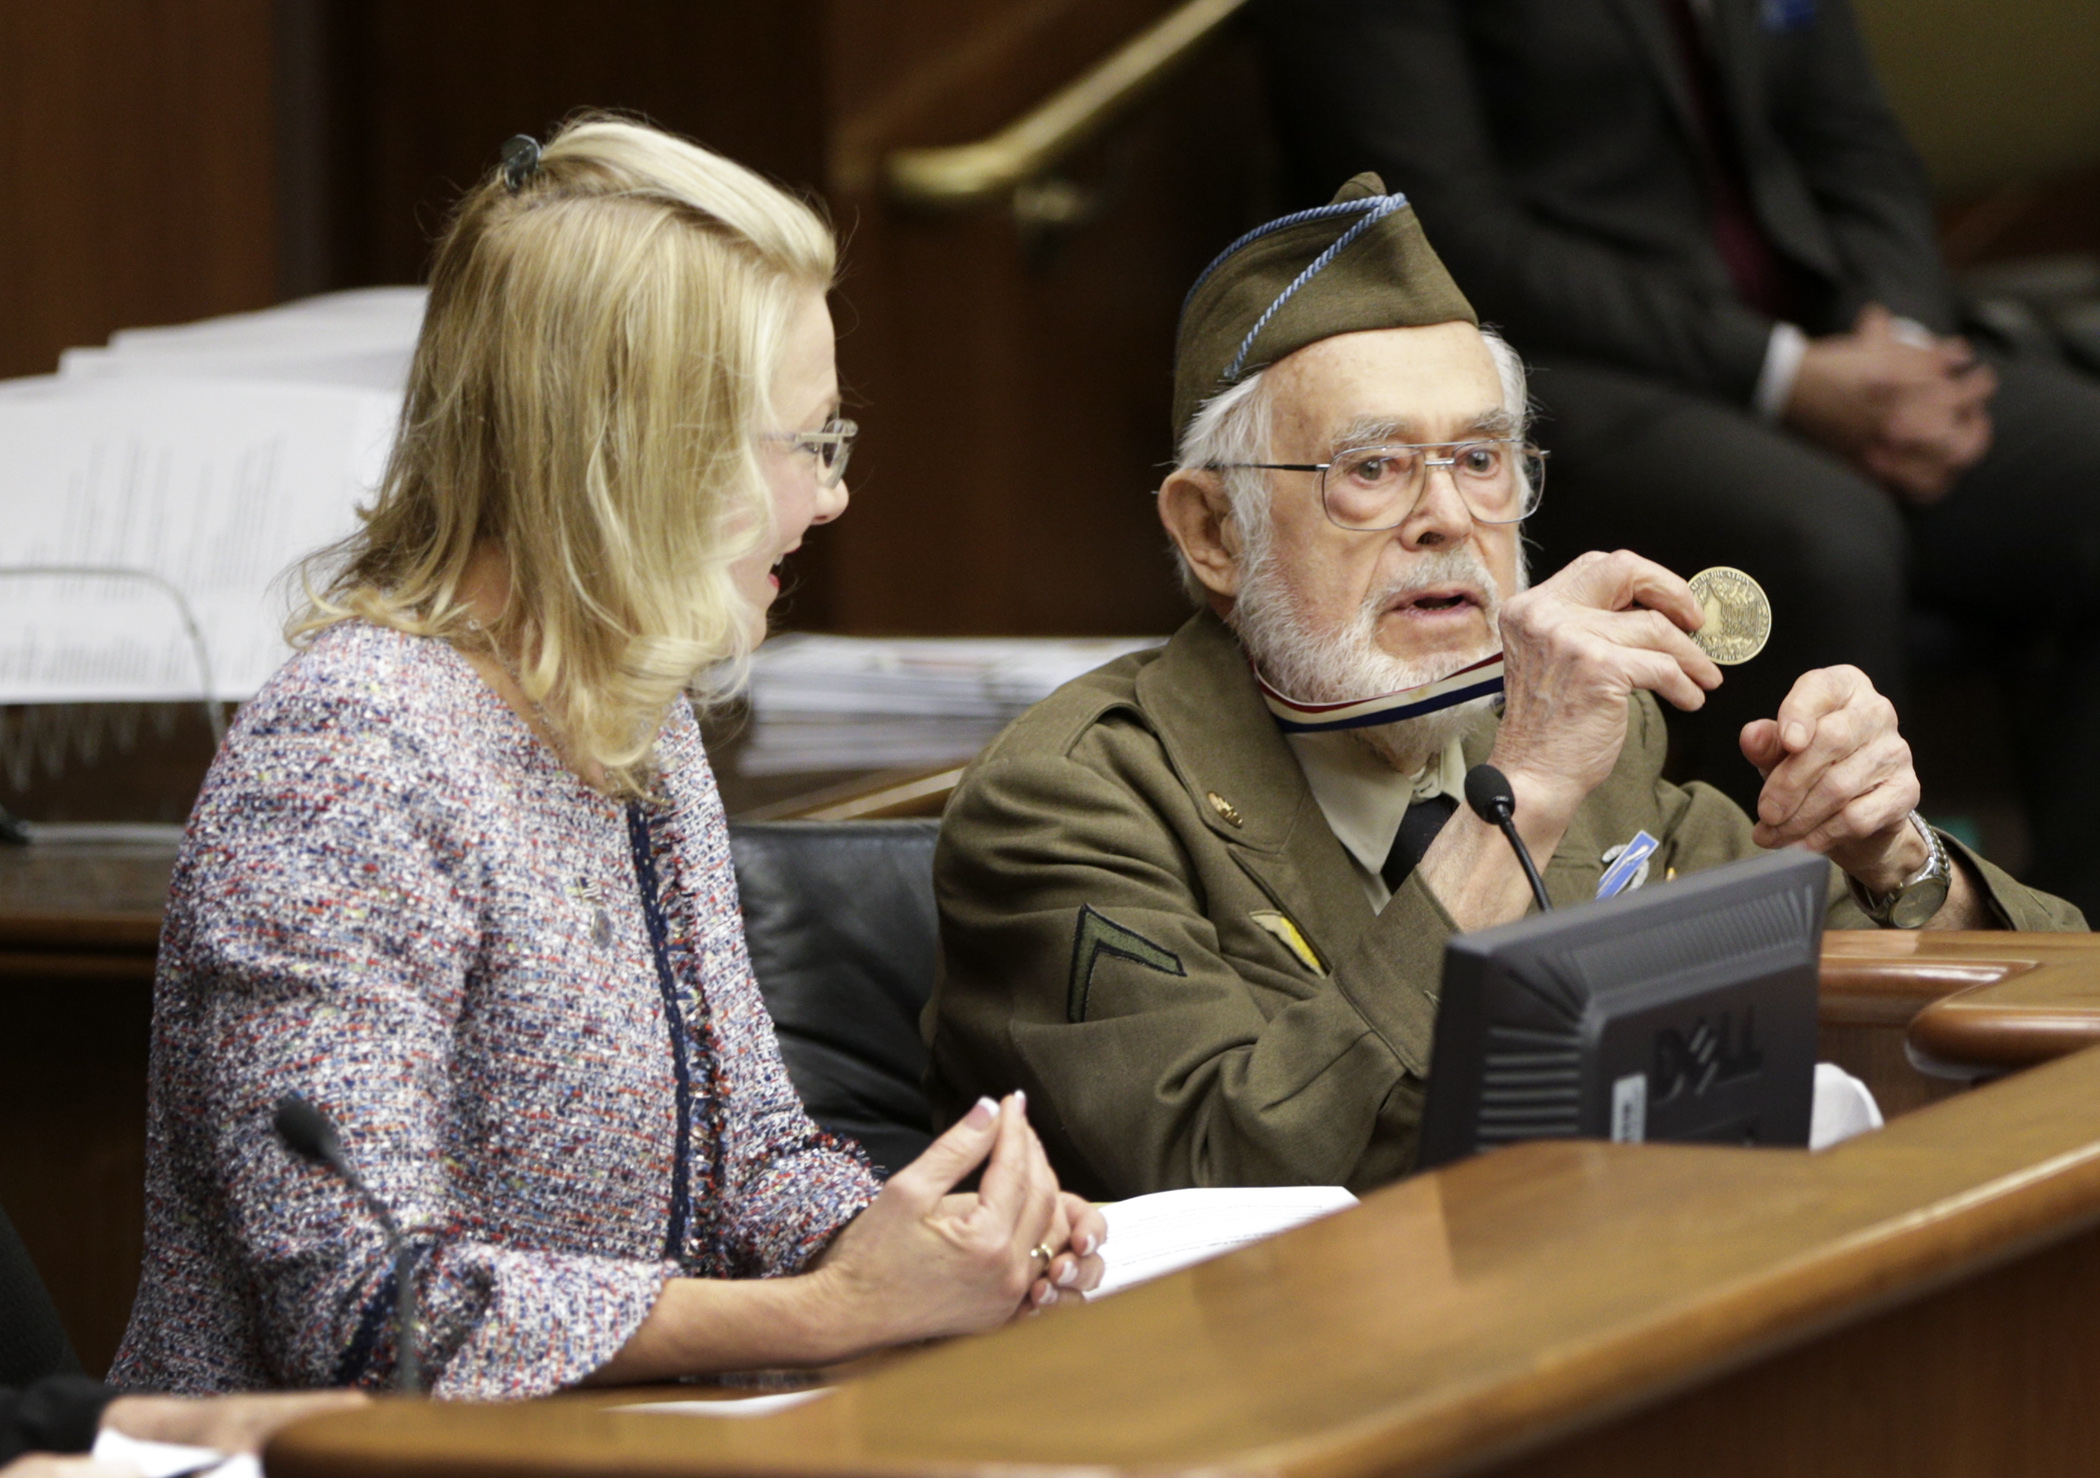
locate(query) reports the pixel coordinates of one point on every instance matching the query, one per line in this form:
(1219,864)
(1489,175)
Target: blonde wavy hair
(588,393)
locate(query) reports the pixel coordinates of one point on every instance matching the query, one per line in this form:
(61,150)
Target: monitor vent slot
(1736,933)
(1530,1086)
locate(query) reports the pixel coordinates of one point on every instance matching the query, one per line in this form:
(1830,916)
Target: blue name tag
(1787,15)
(1628,869)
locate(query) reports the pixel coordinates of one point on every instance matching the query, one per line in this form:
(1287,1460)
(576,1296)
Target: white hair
(1228,431)
(1231,429)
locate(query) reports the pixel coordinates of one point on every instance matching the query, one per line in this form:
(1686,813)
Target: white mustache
(1446,567)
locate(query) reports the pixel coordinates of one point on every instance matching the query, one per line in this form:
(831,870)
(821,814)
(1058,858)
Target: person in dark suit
(1704,224)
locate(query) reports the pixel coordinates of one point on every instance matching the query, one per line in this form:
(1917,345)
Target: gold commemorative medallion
(1738,617)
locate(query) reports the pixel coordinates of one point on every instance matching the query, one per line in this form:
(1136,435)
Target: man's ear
(1198,518)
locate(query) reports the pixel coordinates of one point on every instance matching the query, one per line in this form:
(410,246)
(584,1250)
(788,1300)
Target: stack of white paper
(193,497)
(932,677)
(362,339)
(732,1406)
(880,741)
(154,491)
(843,702)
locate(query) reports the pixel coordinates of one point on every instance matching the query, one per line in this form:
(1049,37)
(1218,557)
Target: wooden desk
(78,910)
(82,912)
(1921,1301)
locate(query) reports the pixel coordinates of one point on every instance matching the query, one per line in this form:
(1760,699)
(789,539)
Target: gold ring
(1042,1250)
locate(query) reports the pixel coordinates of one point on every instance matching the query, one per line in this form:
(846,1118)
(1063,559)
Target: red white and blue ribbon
(1481,679)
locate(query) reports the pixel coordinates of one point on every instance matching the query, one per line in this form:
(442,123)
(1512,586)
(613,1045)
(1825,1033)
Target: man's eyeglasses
(1376,487)
(832,446)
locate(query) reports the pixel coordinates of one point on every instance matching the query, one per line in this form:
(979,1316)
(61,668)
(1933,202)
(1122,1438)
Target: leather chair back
(844,939)
(33,1342)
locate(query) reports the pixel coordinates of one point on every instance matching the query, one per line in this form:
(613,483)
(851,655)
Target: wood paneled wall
(1013,392)
(1991,91)
(170,159)
(165,159)
(137,168)
(402,104)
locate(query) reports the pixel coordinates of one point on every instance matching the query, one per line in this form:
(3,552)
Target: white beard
(1344,664)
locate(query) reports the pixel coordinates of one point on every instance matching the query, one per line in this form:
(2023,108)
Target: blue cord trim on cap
(1380,208)
(1284,223)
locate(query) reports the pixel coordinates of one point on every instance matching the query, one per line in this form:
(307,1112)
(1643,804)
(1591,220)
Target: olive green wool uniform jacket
(1147,923)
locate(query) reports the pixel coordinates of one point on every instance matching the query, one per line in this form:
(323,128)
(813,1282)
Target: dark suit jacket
(1551,150)
(60,1413)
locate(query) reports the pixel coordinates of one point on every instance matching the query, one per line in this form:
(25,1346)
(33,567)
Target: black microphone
(1492,800)
(308,1133)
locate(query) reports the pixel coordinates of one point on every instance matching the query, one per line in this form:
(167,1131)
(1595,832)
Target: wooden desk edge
(119,933)
(1997,1025)
(1868,978)
(1696,1335)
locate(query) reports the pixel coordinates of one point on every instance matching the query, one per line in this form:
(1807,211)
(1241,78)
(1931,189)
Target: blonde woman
(460,877)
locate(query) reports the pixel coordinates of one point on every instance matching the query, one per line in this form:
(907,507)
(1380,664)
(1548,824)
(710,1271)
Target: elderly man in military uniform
(1196,902)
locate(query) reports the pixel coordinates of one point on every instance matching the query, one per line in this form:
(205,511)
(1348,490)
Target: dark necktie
(1763,278)
(1418,828)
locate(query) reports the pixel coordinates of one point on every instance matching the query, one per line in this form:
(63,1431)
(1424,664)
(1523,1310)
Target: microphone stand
(309,1134)
(1489,793)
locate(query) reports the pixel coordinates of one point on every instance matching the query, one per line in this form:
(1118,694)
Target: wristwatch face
(1914,906)
(1914,903)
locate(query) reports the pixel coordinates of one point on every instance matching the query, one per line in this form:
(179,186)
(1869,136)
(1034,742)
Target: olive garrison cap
(1359,262)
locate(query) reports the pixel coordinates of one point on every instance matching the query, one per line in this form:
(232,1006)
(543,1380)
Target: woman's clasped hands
(925,1260)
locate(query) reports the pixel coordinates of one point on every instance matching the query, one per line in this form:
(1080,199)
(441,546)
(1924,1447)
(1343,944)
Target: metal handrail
(964,175)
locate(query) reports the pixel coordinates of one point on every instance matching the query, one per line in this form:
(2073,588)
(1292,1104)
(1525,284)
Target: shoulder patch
(1098,935)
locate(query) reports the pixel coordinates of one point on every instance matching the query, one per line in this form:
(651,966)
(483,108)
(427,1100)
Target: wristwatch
(1918,897)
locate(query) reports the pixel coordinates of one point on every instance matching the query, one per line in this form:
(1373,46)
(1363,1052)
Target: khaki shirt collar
(1364,798)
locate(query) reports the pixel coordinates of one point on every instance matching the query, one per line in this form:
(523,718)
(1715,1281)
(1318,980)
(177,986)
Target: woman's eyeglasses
(831,445)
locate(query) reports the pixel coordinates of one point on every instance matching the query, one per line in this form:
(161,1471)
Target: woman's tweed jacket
(396,902)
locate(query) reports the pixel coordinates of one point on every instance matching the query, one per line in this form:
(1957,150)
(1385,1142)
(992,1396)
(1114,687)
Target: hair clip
(521,157)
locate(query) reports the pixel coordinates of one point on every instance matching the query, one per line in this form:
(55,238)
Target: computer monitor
(1682,1011)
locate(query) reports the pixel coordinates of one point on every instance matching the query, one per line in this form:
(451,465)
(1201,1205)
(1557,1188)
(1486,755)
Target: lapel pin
(1225,808)
(587,892)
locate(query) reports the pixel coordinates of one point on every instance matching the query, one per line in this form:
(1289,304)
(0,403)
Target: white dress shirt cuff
(1775,381)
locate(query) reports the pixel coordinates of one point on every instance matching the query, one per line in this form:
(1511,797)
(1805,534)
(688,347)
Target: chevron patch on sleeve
(1098,935)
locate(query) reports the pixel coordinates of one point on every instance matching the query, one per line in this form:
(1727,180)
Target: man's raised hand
(1838,778)
(1574,649)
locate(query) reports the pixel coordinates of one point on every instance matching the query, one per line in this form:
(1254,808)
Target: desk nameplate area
(1454,1320)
